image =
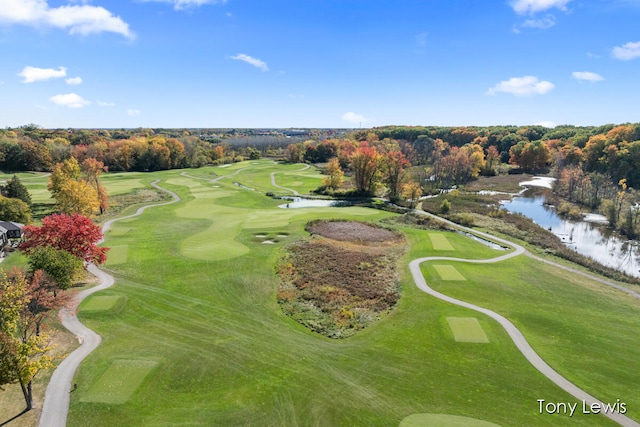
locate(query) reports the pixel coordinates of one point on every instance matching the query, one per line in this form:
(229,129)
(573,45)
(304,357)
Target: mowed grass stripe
(449,273)
(119,382)
(467,329)
(440,242)
(117,254)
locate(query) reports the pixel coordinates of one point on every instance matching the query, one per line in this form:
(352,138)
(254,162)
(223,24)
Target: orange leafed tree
(365,163)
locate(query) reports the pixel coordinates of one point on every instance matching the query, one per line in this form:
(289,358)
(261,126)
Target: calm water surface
(590,239)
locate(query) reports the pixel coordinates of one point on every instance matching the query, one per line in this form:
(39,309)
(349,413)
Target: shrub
(445,207)
(464,219)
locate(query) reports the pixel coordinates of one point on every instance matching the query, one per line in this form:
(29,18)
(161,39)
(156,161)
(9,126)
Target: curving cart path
(515,334)
(56,401)
(273,181)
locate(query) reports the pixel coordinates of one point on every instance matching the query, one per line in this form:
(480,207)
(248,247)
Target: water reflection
(301,202)
(590,239)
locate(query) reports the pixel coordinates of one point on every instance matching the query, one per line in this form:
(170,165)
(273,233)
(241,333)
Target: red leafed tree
(75,234)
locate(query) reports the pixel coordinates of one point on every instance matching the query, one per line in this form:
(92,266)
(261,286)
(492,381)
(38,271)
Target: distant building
(9,230)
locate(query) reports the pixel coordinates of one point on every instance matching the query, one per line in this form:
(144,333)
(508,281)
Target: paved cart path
(56,400)
(515,334)
(273,181)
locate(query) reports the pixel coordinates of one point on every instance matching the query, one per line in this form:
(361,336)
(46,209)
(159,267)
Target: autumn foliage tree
(365,163)
(23,347)
(74,233)
(92,170)
(412,191)
(71,190)
(334,174)
(393,165)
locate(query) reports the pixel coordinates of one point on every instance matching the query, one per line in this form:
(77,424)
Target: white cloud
(587,76)
(70,100)
(524,7)
(74,80)
(35,74)
(546,124)
(541,24)
(352,117)
(252,61)
(522,86)
(133,112)
(627,51)
(105,104)
(79,19)
(185,4)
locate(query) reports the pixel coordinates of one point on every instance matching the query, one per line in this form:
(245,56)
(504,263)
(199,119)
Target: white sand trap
(268,242)
(283,236)
(261,236)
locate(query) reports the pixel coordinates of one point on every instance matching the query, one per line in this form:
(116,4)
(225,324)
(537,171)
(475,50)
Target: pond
(301,202)
(590,238)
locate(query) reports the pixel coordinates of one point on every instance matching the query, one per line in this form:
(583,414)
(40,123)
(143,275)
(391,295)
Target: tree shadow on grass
(40,210)
(15,417)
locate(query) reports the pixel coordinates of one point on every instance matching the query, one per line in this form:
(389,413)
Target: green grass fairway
(118,230)
(467,329)
(201,300)
(123,182)
(449,273)
(117,254)
(440,242)
(443,420)
(119,382)
(102,303)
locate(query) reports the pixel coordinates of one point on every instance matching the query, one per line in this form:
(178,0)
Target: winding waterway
(591,239)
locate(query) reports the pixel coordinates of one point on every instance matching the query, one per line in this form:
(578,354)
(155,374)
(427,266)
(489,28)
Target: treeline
(34,149)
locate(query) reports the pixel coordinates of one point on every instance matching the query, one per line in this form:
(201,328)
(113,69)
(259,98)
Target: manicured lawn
(440,242)
(201,306)
(118,383)
(448,273)
(103,303)
(582,329)
(467,329)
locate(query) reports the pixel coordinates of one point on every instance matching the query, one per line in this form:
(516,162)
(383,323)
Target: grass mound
(337,287)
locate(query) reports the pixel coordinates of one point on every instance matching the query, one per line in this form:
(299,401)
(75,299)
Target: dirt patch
(337,287)
(355,232)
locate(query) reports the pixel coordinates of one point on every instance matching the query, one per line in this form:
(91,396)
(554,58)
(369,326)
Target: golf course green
(201,339)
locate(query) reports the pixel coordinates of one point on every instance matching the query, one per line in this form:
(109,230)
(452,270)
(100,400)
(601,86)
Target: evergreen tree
(16,190)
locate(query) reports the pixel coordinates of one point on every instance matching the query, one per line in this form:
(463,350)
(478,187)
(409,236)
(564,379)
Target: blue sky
(318,63)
